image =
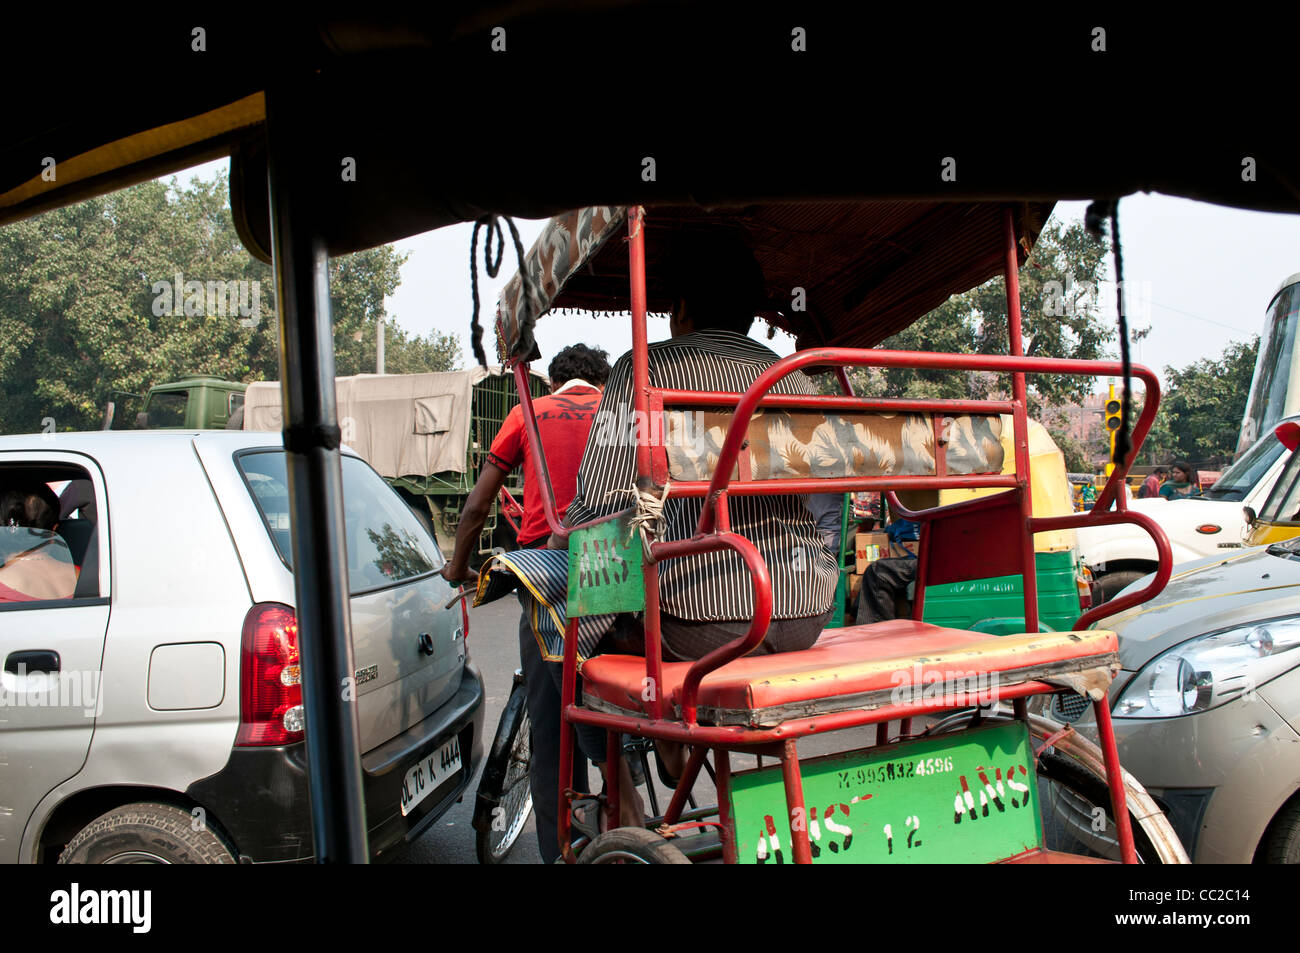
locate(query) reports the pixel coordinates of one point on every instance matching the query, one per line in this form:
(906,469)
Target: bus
(1275,388)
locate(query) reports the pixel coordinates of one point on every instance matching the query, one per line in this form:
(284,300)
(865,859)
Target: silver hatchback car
(1207,707)
(155,715)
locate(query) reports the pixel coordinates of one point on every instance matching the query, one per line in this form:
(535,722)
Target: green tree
(82,315)
(1059,318)
(1202,407)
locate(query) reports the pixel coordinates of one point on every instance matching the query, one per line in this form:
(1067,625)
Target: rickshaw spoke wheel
(631,845)
(515,798)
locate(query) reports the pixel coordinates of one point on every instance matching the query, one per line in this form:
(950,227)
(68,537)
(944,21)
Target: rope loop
(492,225)
(649,519)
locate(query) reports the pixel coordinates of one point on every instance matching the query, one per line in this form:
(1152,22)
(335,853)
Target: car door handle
(426,643)
(33,660)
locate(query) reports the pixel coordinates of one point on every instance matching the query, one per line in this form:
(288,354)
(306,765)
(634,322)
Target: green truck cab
(195,403)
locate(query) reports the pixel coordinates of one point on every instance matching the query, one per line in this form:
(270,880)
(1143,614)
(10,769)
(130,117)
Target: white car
(155,716)
(1208,525)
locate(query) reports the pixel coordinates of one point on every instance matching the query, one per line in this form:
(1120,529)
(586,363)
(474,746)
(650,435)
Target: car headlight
(1211,670)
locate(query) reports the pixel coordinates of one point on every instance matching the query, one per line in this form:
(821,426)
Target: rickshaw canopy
(866,270)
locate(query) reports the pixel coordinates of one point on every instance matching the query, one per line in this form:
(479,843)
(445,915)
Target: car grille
(1069,707)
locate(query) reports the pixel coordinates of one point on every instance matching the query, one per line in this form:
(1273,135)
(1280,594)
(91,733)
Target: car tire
(146,833)
(1112,583)
(1282,845)
(631,845)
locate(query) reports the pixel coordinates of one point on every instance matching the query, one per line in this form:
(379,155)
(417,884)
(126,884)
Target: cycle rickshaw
(963,788)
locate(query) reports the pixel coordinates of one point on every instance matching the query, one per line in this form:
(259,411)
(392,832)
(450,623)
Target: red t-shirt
(563,420)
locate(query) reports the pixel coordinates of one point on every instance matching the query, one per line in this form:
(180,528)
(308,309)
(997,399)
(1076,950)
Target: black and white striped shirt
(711,587)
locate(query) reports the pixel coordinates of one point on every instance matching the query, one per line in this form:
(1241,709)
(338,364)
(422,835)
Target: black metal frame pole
(311,437)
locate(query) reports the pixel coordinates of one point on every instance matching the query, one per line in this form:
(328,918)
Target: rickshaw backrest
(784,443)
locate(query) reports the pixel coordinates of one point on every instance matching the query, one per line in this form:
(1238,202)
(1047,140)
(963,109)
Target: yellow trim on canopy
(140,147)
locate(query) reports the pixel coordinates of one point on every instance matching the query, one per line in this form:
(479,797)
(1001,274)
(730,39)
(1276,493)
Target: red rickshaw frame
(714,533)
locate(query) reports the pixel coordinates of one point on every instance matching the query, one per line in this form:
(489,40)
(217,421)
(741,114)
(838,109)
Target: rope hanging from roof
(1097,213)
(493,268)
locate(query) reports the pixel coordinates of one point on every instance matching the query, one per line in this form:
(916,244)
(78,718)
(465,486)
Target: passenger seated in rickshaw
(886,580)
(707,600)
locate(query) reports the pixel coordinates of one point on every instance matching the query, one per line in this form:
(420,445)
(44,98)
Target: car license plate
(428,775)
(968,797)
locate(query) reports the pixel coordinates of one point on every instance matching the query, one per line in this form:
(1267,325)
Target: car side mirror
(1251,516)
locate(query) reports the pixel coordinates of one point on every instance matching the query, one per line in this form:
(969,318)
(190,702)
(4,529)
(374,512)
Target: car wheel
(1282,845)
(631,845)
(146,834)
(1112,583)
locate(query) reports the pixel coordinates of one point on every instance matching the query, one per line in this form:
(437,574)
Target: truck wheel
(1282,845)
(146,833)
(1110,585)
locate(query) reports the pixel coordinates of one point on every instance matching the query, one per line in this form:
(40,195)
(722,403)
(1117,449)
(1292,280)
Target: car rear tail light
(464,620)
(270,680)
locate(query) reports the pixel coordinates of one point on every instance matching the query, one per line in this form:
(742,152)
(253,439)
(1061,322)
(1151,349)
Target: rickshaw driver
(707,600)
(564,419)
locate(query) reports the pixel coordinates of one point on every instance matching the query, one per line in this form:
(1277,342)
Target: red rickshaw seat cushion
(853,667)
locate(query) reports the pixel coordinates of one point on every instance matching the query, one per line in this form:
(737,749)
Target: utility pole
(379,349)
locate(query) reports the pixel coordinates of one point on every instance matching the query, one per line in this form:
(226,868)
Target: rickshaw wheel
(631,845)
(511,755)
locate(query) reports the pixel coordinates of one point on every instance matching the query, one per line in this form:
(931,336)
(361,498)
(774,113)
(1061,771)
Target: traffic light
(1112,417)
(1112,420)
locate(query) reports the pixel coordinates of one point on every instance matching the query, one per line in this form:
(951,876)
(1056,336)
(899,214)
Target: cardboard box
(855,587)
(911,546)
(869,547)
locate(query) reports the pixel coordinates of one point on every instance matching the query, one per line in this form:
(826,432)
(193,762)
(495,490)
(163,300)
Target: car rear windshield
(386,543)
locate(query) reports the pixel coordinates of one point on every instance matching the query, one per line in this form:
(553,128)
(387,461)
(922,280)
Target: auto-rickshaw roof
(867,269)
(589,89)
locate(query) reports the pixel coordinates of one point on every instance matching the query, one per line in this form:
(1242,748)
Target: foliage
(1058,320)
(82,318)
(1202,408)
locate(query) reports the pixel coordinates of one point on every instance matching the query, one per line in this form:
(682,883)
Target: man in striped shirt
(707,600)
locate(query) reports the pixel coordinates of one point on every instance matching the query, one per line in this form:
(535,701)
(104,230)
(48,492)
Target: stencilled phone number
(894,771)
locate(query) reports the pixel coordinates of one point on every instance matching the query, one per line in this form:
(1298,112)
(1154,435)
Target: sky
(1200,275)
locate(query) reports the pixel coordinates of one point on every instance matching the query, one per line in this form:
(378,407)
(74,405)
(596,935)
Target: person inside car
(37,562)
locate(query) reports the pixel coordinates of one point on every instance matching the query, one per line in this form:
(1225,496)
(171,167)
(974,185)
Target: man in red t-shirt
(563,421)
